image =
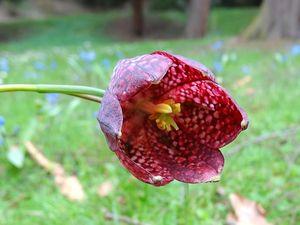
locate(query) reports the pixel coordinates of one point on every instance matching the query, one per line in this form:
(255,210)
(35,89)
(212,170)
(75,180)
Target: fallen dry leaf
(105,188)
(242,82)
(246,212)
(68,185)
(250,91)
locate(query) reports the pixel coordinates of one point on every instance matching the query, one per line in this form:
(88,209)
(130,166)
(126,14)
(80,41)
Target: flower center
(162,113)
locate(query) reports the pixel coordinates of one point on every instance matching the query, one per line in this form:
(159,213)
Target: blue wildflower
(52,98)
(95,114)
(246,69)
(88,56)
(2,121)
(29,75)
(217,45)
(39,66)
(120,54)
(53,65)
(218,66)
(295,50)
(106,64)
(4,65)
(281,58)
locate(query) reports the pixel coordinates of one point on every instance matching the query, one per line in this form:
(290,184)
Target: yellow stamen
(175,106)
(163,108)
(162,113)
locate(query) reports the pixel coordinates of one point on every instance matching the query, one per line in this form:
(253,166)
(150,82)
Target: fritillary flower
(166,118)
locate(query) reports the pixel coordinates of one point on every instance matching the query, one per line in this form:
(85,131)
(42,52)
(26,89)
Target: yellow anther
(152,108)
(163,108)
(162,113)
(176,108)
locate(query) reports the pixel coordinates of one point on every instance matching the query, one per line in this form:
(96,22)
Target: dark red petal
(203,167)
(187,159)
(131,76)
(129,142)
(208,113)
(181,71)
(137,155)
(110,118)
(208,74)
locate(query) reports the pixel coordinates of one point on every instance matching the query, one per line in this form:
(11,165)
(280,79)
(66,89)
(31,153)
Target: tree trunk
(198,18)
(277,19)
(138,17)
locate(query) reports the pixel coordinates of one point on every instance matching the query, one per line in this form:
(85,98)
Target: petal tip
(160,181)
(215,178)
(119,135)
(244,124)
(156,179)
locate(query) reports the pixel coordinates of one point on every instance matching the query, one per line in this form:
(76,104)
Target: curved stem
(88,97)
(76,90)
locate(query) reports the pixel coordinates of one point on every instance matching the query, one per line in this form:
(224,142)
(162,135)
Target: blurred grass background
(69,50)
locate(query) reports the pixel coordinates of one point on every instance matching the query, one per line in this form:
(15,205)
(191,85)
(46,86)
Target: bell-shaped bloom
(165,117)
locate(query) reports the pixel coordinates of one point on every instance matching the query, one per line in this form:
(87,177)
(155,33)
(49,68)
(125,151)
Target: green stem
(75,90)
(88,97)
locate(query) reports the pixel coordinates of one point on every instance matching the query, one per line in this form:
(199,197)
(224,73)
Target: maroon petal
(208,113)
(187,159)
(137,155)
(127,138)
(204,165)
(198,66)
(181,71)
(131,76)
(110,118)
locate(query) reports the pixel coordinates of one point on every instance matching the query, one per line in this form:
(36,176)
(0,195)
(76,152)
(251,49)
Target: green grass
(62,31)
(267,172)
(92,28)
